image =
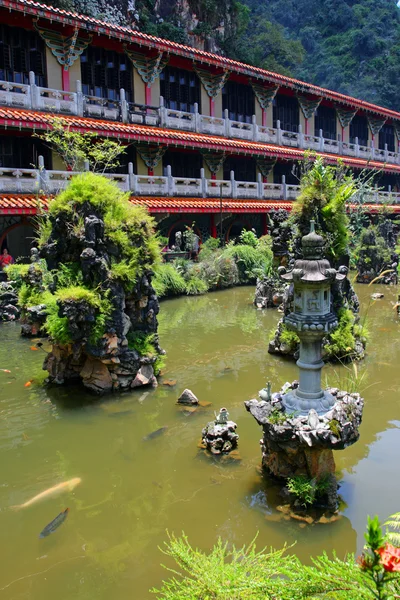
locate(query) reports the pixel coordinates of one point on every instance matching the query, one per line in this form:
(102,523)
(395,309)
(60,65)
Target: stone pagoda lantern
(312,319)
(303,423)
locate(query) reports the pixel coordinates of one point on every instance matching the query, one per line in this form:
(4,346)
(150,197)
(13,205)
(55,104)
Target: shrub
(209,248)
(196,286)
(245,574)
(305,489)
(289,338)
(16,273)
(167,281)
(341,342)
(252,261)
(248,238)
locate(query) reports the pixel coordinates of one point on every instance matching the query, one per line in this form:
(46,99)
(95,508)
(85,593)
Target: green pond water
(132,490)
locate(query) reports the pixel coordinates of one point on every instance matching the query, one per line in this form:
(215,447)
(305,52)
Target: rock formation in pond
(302,445)
(376,255)
(9,309)
(101,309)
(219,436)
(303,423)
(270,290)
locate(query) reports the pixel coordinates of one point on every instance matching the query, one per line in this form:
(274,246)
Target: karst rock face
(106,314)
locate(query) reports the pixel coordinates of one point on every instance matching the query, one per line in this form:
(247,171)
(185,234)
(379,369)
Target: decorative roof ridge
(141,38)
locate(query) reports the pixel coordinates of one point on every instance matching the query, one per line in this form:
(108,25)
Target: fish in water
(33,348)
(154,434)
(54,524)
(65,486)
(28,383)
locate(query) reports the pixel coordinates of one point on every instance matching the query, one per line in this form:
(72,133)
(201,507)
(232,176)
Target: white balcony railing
(76,103)
(43,181)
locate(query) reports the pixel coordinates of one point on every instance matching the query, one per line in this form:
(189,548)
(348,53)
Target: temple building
(210,141)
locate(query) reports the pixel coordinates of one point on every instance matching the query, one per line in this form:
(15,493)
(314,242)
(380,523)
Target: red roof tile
(137,37)
(25,204)
(32,120)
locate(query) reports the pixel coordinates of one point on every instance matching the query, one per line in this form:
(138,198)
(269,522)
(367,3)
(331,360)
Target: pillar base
(292,402)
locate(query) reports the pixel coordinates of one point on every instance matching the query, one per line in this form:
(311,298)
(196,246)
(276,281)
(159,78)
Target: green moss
(159,364)
(78,294)
(305,489)
(277,417)
(142,343)
(342,342)
(289,338)
(334,426)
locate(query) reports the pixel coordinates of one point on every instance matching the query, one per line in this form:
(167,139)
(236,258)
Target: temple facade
(210,141)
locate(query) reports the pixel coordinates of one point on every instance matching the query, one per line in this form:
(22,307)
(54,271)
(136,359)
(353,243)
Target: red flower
(390,558)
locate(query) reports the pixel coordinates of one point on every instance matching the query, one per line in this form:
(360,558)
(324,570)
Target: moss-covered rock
(100,251)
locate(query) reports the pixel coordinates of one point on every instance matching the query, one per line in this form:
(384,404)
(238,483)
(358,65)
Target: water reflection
(133,490)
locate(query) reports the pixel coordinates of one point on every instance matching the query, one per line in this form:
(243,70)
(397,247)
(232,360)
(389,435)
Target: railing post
(284,188)
(163,116)
(43,176)
(197,118)
(203,188)
(386,153)
(372,149)
(170,181)
(259,186)
(34,91)
(254,128)
(124,106)
(301,143)
(376,194)
(233,185)
(340,144)
(227,123)
(135,184)
(278,133)
(321,141)
(356,147)
(86,165)
(131,179)
(79,98)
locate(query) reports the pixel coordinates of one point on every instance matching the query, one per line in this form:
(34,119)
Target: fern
(394,523)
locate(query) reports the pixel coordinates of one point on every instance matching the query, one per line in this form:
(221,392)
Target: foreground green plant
(230,573)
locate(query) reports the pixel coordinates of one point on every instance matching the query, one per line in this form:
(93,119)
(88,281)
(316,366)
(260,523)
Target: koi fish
(28,383)
(54,524)
(5,370)
(33,348)
(66,486)
(154,434)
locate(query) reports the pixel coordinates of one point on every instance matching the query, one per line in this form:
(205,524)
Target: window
(105,72)
(244,168)
(180,89)
(183,164)
(22,152)
(286,110)
(386,136)
(21,51)
(359,129)
(239,100)
(325,119)
(288,169)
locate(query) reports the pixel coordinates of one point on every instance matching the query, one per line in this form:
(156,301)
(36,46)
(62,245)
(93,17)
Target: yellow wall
(74,74)
(138,88)
(57,163)
(218,105)
(155,93)
(204,107)
(142,168)
(54,78)
(258,113)
(311,126)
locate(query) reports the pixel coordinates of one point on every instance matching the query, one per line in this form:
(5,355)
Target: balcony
(42,181)
(31,96)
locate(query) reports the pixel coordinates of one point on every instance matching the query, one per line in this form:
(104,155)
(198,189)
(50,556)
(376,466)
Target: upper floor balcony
(32,96)
(42,181)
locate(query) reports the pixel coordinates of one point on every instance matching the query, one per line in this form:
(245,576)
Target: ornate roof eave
(19,119)
(126,34)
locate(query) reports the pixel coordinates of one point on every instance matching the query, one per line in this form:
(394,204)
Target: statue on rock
(100,307)
(323,195)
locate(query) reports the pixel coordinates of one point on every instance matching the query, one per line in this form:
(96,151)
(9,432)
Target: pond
(133,490)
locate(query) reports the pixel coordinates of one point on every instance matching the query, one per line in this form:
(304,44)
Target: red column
(148,95)
(65,79)
(213,176)
(212,107)
(150,171)
(213,228)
